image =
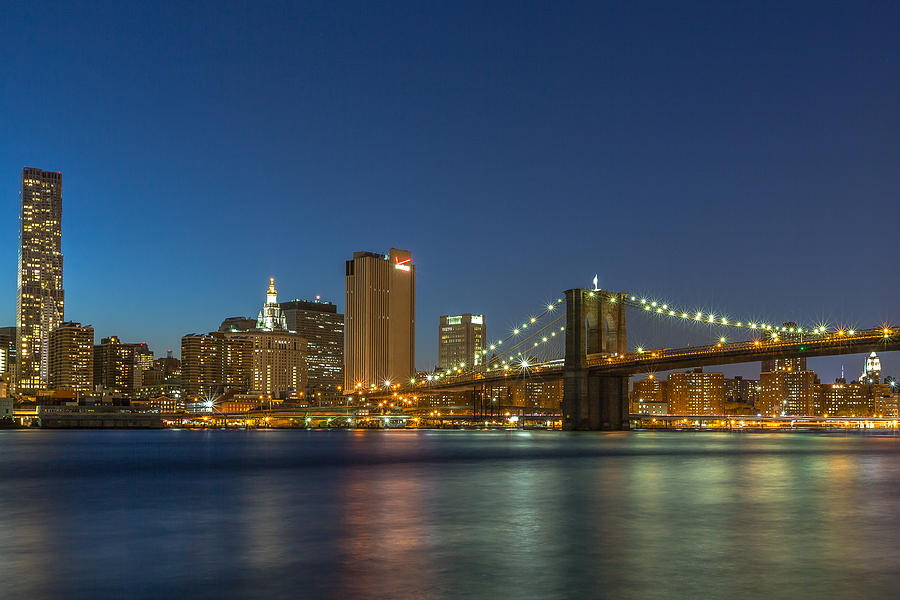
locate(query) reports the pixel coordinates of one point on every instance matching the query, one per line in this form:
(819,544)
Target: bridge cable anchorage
(528,329)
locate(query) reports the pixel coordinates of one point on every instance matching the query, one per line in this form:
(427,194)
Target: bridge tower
(595,325)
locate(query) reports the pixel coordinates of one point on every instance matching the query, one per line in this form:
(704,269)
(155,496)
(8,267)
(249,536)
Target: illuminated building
(7,348)
(143,361)
(159,403)
(278,362)
(238,324)
(788,392)
(379,322)
(461,338)
(650,396)
(842,399)
(323,328)
(696,393)
(743,391)
(784,364)
(114,367)
(270,316)
(215,363)
(72,358)
(871,369)
(41,301)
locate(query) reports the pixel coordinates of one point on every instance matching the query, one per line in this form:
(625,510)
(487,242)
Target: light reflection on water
(341,514)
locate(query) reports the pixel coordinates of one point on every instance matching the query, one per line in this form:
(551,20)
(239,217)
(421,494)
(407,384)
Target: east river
(447,514)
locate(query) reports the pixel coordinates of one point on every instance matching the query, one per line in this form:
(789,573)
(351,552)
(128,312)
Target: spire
(272,289)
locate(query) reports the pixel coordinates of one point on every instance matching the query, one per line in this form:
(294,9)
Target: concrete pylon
(595,325)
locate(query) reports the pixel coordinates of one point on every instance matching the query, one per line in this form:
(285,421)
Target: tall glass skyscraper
(41,301)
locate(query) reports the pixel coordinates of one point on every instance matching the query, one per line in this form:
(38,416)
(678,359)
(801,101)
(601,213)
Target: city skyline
(636,175)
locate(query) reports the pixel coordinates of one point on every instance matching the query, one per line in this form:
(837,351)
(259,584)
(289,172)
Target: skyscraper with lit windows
(41,301)
(379,319)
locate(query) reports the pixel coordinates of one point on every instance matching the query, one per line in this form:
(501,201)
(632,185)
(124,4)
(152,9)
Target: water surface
(422,514)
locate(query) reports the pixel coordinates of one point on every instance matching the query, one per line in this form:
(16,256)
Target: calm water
(318,514)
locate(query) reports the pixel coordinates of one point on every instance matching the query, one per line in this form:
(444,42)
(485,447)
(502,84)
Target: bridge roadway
(667,359)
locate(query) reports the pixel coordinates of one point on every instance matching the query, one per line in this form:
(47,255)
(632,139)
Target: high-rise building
(114,367)
(696,393)
(143,361)
(380,319)
(846,399)
(41,301)
(323,327)
(278,363)
(461,338)
(72,358)
(788,392)
(8,345)
(215,363)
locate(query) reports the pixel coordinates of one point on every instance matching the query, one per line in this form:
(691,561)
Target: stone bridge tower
(595,325)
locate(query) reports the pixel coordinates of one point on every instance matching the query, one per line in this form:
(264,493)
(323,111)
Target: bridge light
(612,298)
(724,321)
(500,343)
(515,332)
(640,350)
(643,301)
(633,298)
(533,319)
(697,316)
(659,310)
(739,324)
(543,339)
(665,306)
(492,346)
(563,328)
(840,332)
(550,307)
(851,332)
(672,313)
(653,304)
(721,339)
(646,307)
(684,315)
(552,334)
(712,318)
(752,325)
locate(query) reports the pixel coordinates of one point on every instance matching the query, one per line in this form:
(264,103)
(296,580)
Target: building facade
(72,358)
(114,368)
(650,396)
(215,363)
(461,340)
(323,328)
(379,322)
(696,393)
(788,392)
(41,300)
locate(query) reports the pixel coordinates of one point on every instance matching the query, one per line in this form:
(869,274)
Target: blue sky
(742,159)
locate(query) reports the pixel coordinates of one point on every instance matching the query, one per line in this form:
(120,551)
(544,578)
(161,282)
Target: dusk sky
(744,160)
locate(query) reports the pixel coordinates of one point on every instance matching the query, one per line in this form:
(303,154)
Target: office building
(696,393)
(461,339)
(323,328)
(72,358)
(379,322)
(278,364)
(41,301)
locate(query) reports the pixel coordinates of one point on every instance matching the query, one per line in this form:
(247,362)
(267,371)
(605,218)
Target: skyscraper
(460,338)
(40,304)
(323,327)
(380,319)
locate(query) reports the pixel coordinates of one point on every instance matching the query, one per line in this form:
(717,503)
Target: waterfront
(435,514)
